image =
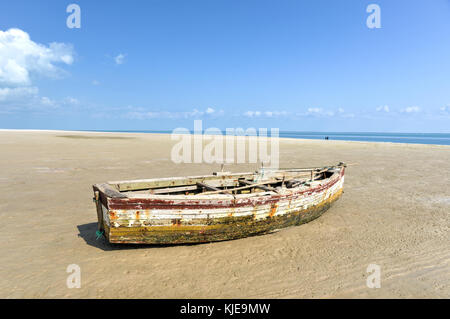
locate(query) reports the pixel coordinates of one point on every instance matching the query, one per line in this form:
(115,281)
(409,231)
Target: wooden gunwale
(217,201)
(172,181)
(133,185)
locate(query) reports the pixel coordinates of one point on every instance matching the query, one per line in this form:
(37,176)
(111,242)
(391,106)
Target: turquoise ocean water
(410,138)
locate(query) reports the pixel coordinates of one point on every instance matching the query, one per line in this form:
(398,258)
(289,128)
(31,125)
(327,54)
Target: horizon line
(223,130)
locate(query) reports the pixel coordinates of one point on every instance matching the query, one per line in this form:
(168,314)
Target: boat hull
(176,221)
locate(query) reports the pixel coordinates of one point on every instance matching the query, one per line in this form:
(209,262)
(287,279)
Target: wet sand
(395,212)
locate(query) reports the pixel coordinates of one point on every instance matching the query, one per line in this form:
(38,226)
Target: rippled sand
(395,212)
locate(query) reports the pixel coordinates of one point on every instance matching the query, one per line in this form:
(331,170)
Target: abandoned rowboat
(214,207)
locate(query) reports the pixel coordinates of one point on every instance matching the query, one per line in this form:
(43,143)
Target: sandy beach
(395,212)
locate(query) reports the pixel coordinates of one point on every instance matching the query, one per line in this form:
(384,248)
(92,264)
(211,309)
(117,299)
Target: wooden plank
(98,205)
(192,180)
(208,187)
(260,186)
(257,184)
(172,190)
(212,188)
(241,188)
(294,182)
(109,191)
(174,181)
(114,189)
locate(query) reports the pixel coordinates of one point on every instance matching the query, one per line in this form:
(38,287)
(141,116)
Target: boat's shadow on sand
(87,232)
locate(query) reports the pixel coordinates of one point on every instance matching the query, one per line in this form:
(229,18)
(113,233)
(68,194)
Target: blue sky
(158,65)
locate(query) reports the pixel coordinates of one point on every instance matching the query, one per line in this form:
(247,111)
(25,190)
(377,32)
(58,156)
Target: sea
(410,138)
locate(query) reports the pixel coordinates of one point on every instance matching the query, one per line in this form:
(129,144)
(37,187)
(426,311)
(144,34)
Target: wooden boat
(215,207)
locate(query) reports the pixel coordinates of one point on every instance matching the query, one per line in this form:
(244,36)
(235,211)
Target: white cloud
(445,109)
(252,113)
(194,113)
(20,57)
(317,111)
(13,94)
(342,113)
(265,113)
(321,112)
(119,59)
(71,100)
(28,99)
(20,60)
(141,114)
(275,113)
(45,101)
(411,109)
(383,108)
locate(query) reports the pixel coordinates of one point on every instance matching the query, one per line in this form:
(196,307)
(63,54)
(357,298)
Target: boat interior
(264,180)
